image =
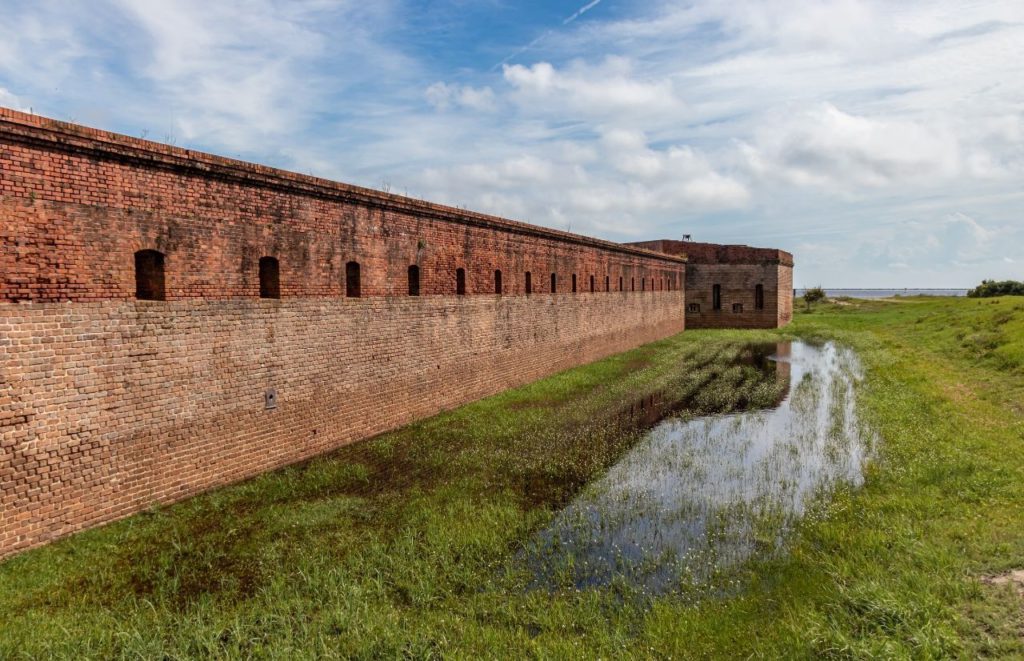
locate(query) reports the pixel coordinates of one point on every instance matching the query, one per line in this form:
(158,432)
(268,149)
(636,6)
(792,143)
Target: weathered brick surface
(77,203)
(717,253)
(108,405)
(738,282)
(738,270)
(784,301)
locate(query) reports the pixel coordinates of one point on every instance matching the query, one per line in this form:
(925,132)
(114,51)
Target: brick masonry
(737,270)
(109,405)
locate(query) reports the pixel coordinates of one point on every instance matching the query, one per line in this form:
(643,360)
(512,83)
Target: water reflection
(697,497)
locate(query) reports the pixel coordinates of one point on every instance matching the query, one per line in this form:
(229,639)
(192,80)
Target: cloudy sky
(881,142)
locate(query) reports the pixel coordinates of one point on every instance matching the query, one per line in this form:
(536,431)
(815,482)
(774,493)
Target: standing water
(696,498)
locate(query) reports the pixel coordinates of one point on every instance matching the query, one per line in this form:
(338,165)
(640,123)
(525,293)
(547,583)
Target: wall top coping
(717,253)
(74,138)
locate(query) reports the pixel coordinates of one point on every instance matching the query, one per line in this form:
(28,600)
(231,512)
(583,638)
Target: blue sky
(881,142)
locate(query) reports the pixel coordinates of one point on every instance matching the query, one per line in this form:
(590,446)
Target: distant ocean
(886,293)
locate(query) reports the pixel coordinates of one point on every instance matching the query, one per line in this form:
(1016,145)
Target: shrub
(989,288)
(813,295)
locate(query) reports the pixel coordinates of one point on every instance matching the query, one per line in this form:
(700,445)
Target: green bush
(989,288)
(813,295)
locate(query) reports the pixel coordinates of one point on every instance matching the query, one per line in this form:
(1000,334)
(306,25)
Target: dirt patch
(1014,577)
(958,392)
(635,364)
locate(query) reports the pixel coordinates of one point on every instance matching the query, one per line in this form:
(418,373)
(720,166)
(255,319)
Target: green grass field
(401,547)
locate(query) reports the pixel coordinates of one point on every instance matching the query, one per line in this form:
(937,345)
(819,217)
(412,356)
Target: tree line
(989,288)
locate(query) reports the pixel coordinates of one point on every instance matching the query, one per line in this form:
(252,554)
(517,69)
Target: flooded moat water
(698,497)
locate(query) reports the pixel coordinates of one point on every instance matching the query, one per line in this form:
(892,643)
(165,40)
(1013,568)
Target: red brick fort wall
(737,271)
(109,404)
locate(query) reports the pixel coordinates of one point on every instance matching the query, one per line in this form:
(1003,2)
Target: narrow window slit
(270,278)
(149,276)
(352,284)
(414,280)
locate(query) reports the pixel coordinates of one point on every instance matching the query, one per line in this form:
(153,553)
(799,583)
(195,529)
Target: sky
(880,142)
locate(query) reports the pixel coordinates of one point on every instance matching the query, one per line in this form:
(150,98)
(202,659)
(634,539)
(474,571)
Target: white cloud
(797,25)
(620,184)
(39,45)
(443,96)
(9,100)
(933,250)
(713,190)
(231,68)
(607,88)
(236,76)
(826,146)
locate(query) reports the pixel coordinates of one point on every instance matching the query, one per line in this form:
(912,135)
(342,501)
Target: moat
(697,497)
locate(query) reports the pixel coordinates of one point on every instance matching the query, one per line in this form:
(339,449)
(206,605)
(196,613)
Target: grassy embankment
(406,545)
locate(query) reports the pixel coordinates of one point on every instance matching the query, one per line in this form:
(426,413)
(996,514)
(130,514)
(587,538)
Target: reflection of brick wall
(737,270)
(784,366)
(108,404)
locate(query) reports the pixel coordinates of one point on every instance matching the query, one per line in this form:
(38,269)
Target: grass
(401,547)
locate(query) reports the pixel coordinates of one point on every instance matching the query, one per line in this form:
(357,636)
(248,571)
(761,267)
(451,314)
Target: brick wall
(717,253)
(108,407)
(737,283)
(737,270)
(785,294)
(108,404)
